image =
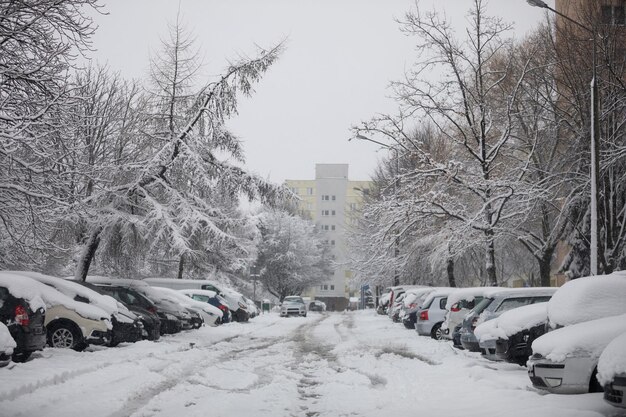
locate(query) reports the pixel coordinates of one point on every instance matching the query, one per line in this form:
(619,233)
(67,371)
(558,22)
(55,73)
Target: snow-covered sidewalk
(336,364)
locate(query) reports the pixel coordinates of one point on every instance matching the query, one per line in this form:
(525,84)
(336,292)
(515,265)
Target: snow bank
(512,321)
(582,339)
(612,361)
(23,287)
(588,298)
(6,341)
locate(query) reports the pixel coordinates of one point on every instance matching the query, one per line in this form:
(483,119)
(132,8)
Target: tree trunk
(91,246)
(490,259)
(450,270)
(544,269)
(181,266)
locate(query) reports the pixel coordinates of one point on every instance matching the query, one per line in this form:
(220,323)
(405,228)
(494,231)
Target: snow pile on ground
(612,361)
(6,341)
(582,339)
(41,295)
(512,321)
(588,298)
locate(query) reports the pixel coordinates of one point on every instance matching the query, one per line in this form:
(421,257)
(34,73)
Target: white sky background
(339,59)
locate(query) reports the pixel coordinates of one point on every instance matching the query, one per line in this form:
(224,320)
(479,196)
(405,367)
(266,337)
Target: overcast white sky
(340,57)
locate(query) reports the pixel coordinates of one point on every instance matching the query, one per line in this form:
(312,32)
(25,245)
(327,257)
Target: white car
(565,360)
(458,305)
(210,314)
(430,317)
(293,306)
(612,371)
(555,365)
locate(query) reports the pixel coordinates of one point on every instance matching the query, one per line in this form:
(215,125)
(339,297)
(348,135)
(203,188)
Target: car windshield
(294,300)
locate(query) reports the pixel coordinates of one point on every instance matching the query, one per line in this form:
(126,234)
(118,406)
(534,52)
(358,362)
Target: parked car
(458,305)
(512,333)
(317,305)
(383,303)
(565,360)
(495,302)
(173,318)
(69,323)
(430,317)
(575,339)
(293,305)
(7,344)
(236,303)
(210,315)
(210,297)
(612,371)
(138,304)
(126,325)
(24,318)
(394,309)
(412,302)
(253,310)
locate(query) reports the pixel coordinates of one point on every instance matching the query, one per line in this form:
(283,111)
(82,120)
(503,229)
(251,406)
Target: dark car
(140,305)
(25,325)
(518,347)
(126,328)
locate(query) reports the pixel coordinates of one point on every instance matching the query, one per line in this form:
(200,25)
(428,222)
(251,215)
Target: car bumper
(292,312)
(423,328)
(488,349)
(571,376)
(469,342)
(98,337)
(614,392)
(28,339)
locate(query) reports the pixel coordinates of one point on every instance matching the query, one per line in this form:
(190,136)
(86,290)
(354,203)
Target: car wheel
(436,333)
(63,335)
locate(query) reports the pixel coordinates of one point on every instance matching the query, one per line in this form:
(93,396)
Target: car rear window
(480,307)
(442,303)
(428,304)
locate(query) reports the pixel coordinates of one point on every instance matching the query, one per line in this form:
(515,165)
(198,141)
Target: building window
(332,242)
(332,287)
(353,206)
(613,15)
(294,190)
(333,198)
(332,227)
(325,198)
(309,191)
(326,287)
(309,206)
(325,213)
(333,212)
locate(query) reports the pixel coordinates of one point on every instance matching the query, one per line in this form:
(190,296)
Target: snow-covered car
(138,304)
(512,333)
(612,371)
(458,305)
(210,297)
(293,305)
(495,302)
(126,326)
(317,305)
(576,303)
(565,360)
(411,304)
(253,310)
(69,323)
(383,303)
(430,317)
(24,317)
(7,344)
(211,315)
(236,303)
(396,307)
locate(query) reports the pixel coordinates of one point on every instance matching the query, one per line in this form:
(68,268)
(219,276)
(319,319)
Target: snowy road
(336,364)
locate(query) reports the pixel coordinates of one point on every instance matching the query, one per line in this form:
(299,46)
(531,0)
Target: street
(329,364)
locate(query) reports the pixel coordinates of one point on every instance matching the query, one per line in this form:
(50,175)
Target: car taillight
(455,308)
(424,315)
(223,307)
(152,310)
(21,316)
(412,305)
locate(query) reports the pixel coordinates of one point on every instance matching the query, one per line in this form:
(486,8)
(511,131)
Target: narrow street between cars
(329,364)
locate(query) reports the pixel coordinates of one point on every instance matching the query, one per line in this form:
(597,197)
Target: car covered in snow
(495,302)
(612,371)
(24,318)
(211,315)
(293,305)
(565,360)
(584,315)
(317,305)
(69,323)
(458,305)
(210,297)
(7,344)
(512,333)
(236,303)
(412,302)
(431,315)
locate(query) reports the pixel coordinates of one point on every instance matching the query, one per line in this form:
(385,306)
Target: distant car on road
(317,305)
(293,305)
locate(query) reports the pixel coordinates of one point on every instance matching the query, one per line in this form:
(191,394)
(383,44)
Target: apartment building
(332,201)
